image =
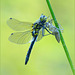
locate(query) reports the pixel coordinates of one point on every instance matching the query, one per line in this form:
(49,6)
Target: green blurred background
(48,56)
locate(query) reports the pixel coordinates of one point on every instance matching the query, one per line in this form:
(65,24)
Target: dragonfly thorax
(39,24)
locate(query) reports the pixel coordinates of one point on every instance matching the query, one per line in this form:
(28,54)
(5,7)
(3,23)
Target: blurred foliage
(48,56)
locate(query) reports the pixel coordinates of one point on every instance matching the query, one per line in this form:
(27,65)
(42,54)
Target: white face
(43,18)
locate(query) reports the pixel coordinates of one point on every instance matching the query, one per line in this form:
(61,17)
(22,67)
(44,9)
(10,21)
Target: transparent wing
(41,34)
(18,25)
(21,37)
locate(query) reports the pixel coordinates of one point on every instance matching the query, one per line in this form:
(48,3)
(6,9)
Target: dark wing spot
(11,33)
(10,18)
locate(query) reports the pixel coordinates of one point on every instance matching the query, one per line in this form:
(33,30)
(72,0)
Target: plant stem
(62,40)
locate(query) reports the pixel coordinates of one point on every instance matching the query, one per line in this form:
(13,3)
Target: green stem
(62,40)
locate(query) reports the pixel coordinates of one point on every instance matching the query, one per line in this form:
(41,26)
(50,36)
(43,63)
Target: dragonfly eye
(43,18)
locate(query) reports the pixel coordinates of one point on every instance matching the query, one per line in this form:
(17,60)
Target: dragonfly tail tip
(26,61)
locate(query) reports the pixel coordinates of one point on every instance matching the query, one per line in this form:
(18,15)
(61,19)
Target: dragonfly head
(43,18)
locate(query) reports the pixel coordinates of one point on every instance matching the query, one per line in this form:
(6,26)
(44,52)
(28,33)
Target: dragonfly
(28,32)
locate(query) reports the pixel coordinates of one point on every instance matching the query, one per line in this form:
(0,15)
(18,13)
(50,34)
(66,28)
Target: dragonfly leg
(46,34)
(48,31)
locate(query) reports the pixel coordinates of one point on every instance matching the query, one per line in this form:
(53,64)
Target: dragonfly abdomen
(30,48)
